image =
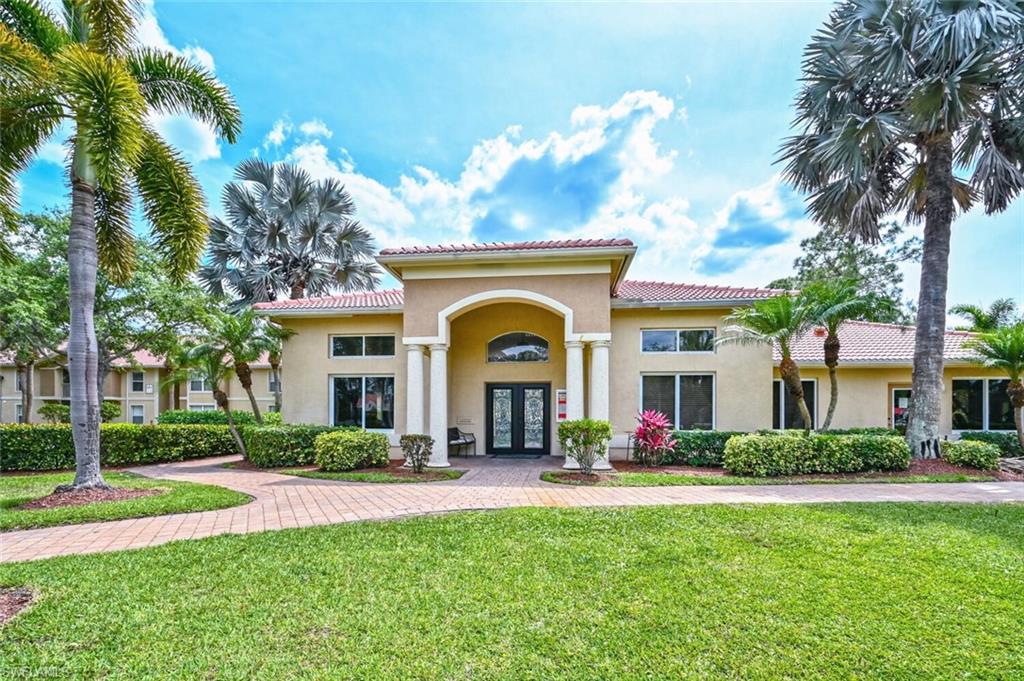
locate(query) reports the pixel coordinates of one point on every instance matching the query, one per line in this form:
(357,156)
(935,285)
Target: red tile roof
(872,342)
(508,246)
(659,291)
(391,299)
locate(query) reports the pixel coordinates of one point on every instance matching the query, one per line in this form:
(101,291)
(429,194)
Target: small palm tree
(776,322)
(212,361)
(86,69)
(999,314)
(277,335)
(898,98)
(179,366)
(1003,349)
(830,304)
(286,235)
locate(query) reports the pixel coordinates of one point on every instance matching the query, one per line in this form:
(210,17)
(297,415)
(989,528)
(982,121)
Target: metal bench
(460,441)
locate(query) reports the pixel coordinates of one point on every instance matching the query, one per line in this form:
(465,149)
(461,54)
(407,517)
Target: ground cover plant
(872,591)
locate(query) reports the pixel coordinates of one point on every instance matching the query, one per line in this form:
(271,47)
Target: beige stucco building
(503,341)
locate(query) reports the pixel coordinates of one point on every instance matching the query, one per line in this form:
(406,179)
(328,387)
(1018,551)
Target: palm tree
(1003,349)
(277,335)
(895,94)
(832,303)
(286,235)
(212,361)
(85,69)
(999,314)
(179,366)
(776,322)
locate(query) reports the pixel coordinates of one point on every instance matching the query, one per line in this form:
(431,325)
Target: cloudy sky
(455,122)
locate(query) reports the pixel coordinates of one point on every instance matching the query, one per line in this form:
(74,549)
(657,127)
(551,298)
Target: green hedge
(277,446)
(208,417)
(773,455)
(971,454)
(351,449)
(50,447)
(699,447)
(1007,442)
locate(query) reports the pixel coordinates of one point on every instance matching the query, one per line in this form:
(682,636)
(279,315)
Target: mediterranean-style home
(138,387)
(502,341)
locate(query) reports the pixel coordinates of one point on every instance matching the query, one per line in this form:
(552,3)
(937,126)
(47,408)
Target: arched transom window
(518,346)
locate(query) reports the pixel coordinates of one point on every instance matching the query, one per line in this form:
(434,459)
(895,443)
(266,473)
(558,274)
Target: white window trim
(782,402)
(330,345)
(131,381)
(362,377)
(676,375)
(19,413)
(131,413)
(677,351)
(202,407)
(487,349)
(203,382)
(270,382)
(984,405)
(892,404)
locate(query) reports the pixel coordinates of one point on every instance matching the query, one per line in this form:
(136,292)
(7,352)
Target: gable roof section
(499,246)
(656,293)
(363,301)
(868,343)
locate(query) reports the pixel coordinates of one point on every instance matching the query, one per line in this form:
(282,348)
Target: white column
(573,388)
(439,405)
(414,397)
(599,391)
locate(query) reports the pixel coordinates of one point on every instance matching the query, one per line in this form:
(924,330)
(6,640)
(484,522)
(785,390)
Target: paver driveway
(281,501)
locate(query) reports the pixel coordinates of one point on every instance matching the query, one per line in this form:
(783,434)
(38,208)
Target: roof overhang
(633,303)
(286,313)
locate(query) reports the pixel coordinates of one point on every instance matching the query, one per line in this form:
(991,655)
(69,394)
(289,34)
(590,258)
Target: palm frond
(1002,349)
(115,239)
(27,120)
(112,25)
(21,64)
(34,24)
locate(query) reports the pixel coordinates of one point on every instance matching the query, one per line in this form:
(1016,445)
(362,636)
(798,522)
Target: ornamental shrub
(348,450)
(971,454)
(417,450)
(277,446)
(1007,442)
(584,440)
(652,438)
(207,417)
(773,455)
(58,412)
(699,447)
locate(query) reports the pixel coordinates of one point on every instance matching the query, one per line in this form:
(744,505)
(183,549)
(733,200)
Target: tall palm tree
(830,304)
(212,361)
(85,68)
(896,93)
(1003,349)
(776,322)
(1000,313)
(286,235)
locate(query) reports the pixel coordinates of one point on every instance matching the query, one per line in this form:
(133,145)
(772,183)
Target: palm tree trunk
(244,374)
(83,356)
(221,398)
(790,373)
(26,371)
(927,389)
(1015,390)
(298,290)
(831,361)
(275,372)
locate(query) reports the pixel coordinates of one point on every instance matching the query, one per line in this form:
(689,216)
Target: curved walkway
(282,501)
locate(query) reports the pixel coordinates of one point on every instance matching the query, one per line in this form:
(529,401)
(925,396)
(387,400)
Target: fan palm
(999,314)
(830,304)
(85,68)
(210,360)
(286,235)
(777,322)
(896,94)
(1003,349)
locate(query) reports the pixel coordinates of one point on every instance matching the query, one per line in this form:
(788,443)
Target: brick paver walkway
(281,501)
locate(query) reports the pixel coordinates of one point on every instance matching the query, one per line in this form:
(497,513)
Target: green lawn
(180,497)
(673,479)
(880,591)
(382,475)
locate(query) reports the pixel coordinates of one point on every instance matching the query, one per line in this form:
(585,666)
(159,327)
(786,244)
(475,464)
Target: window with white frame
(677,340)
(981,404)
(364,401)
(786,412)
(202,407)
(362,346)
(688,400)
(273,384)
(19,414)
(138,414)
(198,384)
(66,382)
(19,382)
(138,381)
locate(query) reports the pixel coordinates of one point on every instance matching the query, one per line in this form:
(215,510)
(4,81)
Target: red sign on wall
(561,405)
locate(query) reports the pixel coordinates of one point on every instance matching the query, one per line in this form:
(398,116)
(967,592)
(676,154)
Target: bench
(460,441)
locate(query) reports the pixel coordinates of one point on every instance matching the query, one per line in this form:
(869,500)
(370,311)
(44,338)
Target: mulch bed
(86,496)
(12,601)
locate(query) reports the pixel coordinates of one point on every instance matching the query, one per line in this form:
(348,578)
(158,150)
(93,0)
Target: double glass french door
(518,418)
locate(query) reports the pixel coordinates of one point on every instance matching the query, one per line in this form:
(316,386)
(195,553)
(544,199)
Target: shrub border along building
(777,455)
(279,446)
(348,450)
(971,454)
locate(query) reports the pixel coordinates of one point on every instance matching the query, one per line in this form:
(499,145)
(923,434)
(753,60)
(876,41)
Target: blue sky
(481,122)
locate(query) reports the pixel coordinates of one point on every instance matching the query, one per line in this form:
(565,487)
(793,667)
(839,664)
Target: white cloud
(315,128)
(281,131)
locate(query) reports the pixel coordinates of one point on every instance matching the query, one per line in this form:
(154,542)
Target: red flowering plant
(652,439)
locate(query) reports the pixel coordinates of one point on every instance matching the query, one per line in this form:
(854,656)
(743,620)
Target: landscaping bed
(12,601)
(395,471)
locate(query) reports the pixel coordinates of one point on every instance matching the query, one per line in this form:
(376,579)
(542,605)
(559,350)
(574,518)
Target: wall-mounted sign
(561,405)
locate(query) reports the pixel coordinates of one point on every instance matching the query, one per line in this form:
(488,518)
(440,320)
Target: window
(138,381)
(202,407)
(364,401)
(19,382)
(362,346)
(687,399)
(66,382)
(19,414)
(786,413)
(272,385)
(517,347)
(198,384)
(900,408)
(677,340)
(981,404)
(138,414)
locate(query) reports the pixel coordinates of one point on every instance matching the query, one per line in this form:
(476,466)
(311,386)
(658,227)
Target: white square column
(599,379)
(415,399)
(573,388)
(439,405)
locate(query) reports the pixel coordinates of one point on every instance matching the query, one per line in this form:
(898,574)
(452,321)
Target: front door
(518,418)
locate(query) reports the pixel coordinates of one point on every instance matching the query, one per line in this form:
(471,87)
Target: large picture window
(517,347)
(362,346)
(981,404)
(688,400)
(786,412)
(677,340)
(364,401)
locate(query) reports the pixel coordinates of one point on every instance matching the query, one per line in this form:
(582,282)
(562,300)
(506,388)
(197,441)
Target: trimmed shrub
(209,417)
(58,412)
(585,440)
(50,447)
(277,446)
(890,432)
(417,450)
(699,447)
(971,454)
(1007,442)
(272,418)
(348,450)
(773,455)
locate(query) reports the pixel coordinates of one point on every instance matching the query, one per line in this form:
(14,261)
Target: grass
(180,497)
(382,475)
(679,479)
(871,591)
